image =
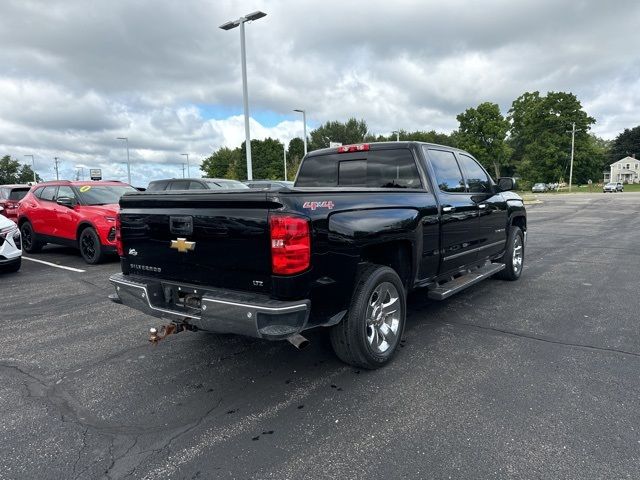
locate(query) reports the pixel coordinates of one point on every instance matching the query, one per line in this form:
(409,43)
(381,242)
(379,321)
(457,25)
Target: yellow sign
(85,188)
(182,245)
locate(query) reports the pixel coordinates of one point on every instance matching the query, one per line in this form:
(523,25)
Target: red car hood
(110,210)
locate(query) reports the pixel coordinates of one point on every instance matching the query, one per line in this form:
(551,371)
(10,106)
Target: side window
(38,192)
(64,191)
(477,179)
(48,193)
(447,170)
(197,186)
(179,185)
(3,193)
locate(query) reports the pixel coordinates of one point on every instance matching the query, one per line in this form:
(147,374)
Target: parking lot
(530,379)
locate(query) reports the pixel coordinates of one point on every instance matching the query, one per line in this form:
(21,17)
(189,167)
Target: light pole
(397,132)
(304,121)
(33,167)
(284,149)
(188,170)
(126,139)
(183,165)
(55,159)
(245,93)
(573,140)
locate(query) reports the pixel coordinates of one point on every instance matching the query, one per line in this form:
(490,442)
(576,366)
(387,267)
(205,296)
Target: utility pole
(573,142)
(188,168)
(56,160)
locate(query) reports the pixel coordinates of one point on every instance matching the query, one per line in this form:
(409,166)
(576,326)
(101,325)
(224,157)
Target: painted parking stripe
(53,264)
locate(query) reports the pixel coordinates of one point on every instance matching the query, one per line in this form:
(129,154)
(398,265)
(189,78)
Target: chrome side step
(446,289)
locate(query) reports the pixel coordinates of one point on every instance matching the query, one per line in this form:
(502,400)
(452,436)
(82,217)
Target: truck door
(492,208)
(458,211)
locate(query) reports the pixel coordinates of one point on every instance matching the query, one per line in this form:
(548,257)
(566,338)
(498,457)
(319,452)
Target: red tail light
(119,238)
(362,147)
(290,244)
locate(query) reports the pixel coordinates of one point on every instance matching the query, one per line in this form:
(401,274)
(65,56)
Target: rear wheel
(370,334)
(513,256)
(90,246)
(30,242)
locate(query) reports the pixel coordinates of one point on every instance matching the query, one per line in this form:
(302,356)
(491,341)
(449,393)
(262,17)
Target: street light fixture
(126,139)
(245,93)
(33,167)
(304,120)
(188,170)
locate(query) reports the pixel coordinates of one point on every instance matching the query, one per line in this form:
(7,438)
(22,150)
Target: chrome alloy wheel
(383,317)
(517,254)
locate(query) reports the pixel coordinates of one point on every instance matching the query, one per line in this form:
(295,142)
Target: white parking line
(53,264)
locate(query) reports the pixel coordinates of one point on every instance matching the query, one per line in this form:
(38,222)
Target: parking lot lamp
(126,139)
(573,141)
(188,169)
(245,93)
(33,167)
(304,121)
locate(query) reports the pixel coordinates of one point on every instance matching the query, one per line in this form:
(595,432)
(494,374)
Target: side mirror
(506,183)
(66,202)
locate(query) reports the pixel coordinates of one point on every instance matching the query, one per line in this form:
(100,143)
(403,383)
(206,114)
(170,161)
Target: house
(626,170)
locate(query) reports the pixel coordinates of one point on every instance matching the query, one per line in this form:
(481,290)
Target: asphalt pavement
(530,379)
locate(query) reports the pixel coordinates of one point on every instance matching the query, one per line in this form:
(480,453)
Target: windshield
(103,194)
(18,193)
(225,184)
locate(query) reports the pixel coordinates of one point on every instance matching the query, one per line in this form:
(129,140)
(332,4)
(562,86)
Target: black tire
(13,267)
(90,246)
(351,340)
(513,270)
(30,242)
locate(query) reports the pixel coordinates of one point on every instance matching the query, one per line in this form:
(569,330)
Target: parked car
(364,225)
(269,184)
(10,195)
(10,245)
(613,187)
(77,214)
(195,184)
(540,188)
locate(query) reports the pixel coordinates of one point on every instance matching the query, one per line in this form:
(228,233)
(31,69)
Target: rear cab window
(388,168)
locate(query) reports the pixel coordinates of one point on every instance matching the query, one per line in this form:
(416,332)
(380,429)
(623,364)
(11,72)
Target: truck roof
(380,146)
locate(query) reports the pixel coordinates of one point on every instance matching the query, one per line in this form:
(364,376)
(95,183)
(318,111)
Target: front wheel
(513,257)
(370,334)
(90,246)
(30,242)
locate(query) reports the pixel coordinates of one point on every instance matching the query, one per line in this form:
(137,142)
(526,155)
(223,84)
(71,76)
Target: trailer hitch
(157,334)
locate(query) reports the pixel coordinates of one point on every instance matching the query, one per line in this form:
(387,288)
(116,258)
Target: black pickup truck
(362,226)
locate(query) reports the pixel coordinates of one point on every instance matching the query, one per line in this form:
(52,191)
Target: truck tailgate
(219,239)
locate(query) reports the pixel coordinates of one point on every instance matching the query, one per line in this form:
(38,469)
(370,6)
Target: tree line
(532,141)
(13,172)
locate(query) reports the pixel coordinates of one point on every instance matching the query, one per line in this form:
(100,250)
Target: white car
(10,245)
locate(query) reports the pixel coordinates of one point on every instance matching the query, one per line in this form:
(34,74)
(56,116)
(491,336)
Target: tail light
(11,205)
(119,238)
(290,244)
(361,147)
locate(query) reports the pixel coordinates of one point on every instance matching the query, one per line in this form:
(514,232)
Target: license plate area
(182,298)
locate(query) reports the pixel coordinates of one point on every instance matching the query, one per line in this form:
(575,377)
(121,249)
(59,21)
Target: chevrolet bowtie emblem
(182,245)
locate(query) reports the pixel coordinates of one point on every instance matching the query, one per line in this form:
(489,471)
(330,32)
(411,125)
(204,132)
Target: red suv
(10,195)
(77,214)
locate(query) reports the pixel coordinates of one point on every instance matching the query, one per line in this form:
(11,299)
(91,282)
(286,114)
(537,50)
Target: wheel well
(396,255)
(520,221)
(81,227)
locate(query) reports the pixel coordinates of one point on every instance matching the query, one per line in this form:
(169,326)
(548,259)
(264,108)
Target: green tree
(295,152)
(483,132)
(430,136)
(350,132)
(625,144)
(222,163)
(9,170)
(541,138)
(267,159)
(25,175)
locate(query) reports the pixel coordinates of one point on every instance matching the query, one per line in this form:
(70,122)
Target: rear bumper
(218,310)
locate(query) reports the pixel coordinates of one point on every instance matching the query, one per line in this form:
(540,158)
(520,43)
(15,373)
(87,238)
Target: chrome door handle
(448,209)
(482,205)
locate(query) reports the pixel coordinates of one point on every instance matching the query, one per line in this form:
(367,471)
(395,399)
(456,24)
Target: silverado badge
(182,245)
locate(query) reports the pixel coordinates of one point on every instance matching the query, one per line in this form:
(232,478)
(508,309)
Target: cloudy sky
(76,74)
